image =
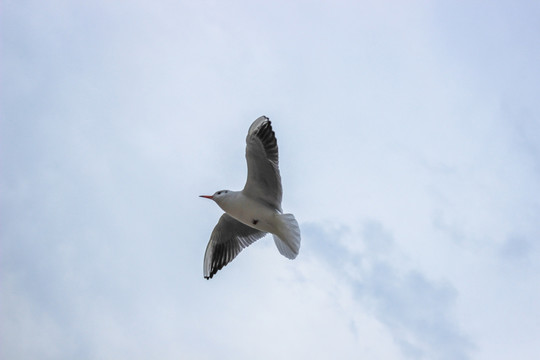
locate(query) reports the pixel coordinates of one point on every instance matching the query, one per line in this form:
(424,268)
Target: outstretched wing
(228,238)
(263,180)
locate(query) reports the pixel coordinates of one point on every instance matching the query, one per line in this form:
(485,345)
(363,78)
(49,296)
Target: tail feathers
(287,238)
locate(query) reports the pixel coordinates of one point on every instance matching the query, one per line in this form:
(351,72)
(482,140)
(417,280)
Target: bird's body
(255,210)
(249,212)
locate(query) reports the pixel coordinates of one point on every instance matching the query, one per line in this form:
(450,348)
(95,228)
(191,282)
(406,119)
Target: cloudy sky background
(409,137)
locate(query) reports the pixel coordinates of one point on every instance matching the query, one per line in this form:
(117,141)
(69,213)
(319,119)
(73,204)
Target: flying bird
(254,211)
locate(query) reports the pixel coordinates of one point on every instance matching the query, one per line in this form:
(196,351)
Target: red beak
(207,196)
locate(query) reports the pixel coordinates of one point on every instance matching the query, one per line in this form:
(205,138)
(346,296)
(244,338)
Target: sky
(409,137)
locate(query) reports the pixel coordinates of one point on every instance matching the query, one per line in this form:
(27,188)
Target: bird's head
(218,196)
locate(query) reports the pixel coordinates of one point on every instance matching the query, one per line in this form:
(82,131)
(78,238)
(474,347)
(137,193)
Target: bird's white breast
(250,212)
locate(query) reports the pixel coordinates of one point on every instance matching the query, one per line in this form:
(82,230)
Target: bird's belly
(254,215)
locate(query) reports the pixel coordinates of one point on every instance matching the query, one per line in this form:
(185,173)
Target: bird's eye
(219,193)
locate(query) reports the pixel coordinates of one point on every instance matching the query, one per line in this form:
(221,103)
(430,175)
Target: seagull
(254,211)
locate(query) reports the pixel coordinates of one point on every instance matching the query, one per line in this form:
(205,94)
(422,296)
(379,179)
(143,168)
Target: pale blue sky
(409,137)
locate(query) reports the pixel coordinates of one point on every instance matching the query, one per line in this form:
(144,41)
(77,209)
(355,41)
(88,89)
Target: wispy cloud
(418,312)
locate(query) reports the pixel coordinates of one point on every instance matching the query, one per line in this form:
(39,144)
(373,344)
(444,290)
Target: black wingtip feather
(268,138)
